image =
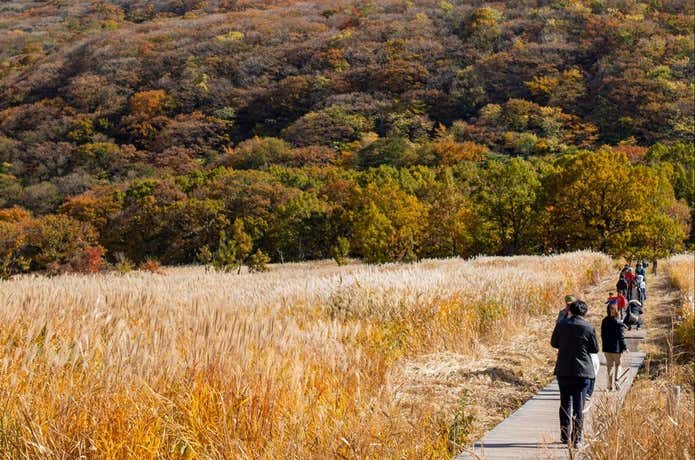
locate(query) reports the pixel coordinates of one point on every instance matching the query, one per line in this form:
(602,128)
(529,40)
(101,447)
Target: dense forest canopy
(390,130)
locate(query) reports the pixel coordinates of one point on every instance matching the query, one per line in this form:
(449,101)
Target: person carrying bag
(575,340)
(613,344)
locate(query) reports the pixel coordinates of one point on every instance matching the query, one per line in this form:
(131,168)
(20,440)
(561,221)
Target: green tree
(372,234)
(258,262)
(340,251)
(681,159)
(448,233)
(389,225)
(233,251)
(506,203)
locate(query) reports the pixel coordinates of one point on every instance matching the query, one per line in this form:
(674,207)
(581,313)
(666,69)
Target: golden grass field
(649,425)
(306,361)
(681,272)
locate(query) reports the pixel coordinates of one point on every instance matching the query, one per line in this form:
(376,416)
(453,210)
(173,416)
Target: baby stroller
(633,315)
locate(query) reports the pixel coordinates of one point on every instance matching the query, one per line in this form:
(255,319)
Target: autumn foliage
(161,123)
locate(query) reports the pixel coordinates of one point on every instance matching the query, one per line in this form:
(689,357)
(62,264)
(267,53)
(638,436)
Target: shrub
(204,255)
(341,250)
(152,266)
(231,252)
(89,260)
(123,265)
(12,243)
(258,262)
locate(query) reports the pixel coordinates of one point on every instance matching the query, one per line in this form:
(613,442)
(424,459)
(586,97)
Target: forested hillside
(383,130)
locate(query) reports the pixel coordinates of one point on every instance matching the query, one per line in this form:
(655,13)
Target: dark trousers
(572,396)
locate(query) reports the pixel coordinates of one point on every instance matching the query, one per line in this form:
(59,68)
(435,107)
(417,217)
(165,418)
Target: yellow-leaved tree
(596,201)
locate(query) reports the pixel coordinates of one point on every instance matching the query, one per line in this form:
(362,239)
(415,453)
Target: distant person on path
(612,344)
(633,315)
(641,287)
(564,313)
(621,286)
(630,279)
(641,269)
(621,304)
(575,340)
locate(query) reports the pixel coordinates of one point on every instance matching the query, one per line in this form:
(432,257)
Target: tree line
(585,199)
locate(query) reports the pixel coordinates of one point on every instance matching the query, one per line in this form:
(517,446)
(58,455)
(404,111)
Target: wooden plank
(533,431)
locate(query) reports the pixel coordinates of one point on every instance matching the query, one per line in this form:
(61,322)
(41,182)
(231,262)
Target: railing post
(673,402)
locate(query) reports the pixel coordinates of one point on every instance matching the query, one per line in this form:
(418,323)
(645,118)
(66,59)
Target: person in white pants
(613,344)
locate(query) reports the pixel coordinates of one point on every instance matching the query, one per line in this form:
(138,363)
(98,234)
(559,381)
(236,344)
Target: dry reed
(650,425)
(295,363)
(681,271)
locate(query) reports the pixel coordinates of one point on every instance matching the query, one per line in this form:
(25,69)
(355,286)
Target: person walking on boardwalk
(641,287)
(620,303)
(612,344)
(641,269)
(630,279)
(565,312)
(575,340)
(612,298)
(621,286)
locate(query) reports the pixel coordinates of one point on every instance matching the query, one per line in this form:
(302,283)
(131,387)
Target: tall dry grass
(681,271)
(295,363)
(650,425)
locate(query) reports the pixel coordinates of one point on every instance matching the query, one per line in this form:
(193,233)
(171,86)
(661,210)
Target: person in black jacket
(621,286)
(575,340)
(612,344)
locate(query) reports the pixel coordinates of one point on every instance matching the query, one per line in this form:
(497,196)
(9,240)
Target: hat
(569,299)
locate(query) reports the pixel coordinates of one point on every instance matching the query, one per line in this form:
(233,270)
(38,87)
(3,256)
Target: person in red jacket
(621,302)
(630,279)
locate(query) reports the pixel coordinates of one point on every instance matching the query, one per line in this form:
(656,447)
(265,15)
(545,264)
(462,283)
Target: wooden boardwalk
(533,431)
